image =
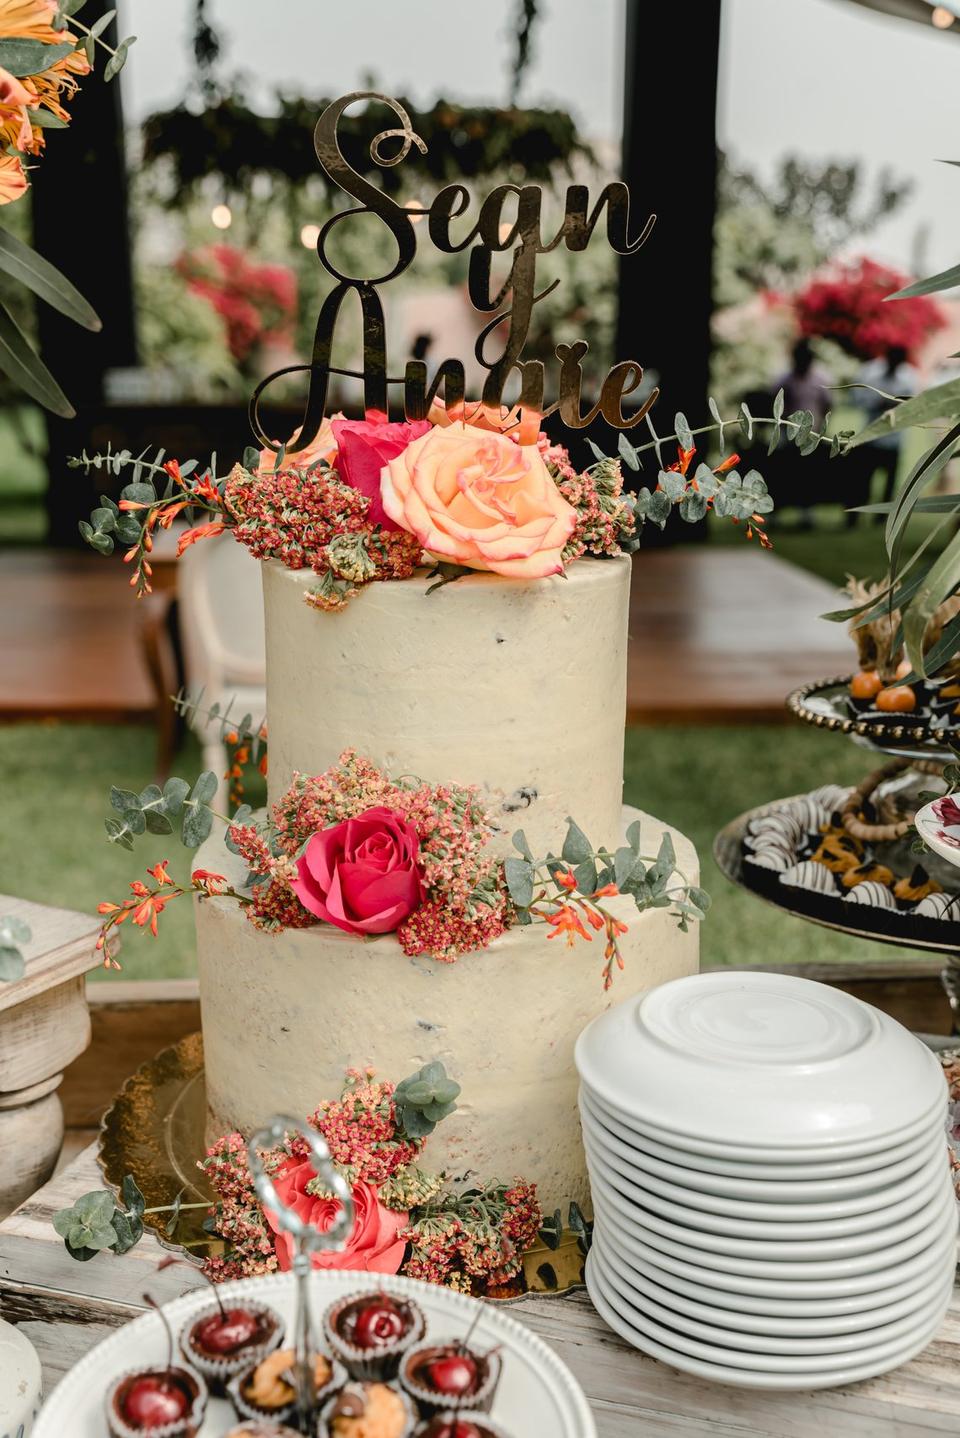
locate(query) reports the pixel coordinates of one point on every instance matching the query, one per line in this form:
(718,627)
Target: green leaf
(945,280)
(519,842)
(82,1255)
(576,845)
(101,23)
(157,822)
(30,57)
(142,493)
(175,791)
(586,876)
(633,836)
(745,421)
(778,406)
(102,543)
(700,897)
(118,833)
(46,120)
(133,1199)
(118,59)
(14,930)
(12,966)
(693,507)
(627,452)
(682,431)
(95,1208)
(626,865)
(25,368)
(518,876)
(941,402)
(26,267)
(942,579)
(671,483)
(196,826)
(205,787)
(123,799)
(126,1232)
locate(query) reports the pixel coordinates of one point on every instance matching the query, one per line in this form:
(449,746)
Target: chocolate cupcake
(224,1341)
(159,1402)
(460,1425)
(267,1390)
(370,1333)
(368,1410)
(450,1378)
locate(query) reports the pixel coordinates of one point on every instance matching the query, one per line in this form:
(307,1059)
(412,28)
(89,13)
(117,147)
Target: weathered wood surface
(67,1307)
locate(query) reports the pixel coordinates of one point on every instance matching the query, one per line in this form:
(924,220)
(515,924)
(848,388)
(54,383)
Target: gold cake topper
(510,304)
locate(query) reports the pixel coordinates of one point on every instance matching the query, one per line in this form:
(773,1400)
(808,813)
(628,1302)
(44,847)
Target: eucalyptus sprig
(568,892)
(91,36)
(14,932)
(424,1099)
(97,1223)
(153,810)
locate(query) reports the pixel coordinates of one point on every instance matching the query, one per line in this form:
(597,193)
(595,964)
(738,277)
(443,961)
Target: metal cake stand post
(307,1240)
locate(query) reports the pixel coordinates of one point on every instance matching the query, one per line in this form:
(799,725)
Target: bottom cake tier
(285,1014)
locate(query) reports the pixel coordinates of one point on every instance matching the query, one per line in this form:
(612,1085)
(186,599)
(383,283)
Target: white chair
(221,630)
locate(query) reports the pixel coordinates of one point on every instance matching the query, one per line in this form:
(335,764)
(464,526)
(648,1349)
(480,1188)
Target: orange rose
(477,499)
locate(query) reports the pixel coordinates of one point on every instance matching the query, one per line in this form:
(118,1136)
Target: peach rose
(477,499)
(323,446)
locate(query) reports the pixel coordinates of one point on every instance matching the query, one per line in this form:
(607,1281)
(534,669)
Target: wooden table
(66,1307)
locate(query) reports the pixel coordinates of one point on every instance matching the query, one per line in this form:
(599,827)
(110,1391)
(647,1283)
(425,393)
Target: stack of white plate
(772,1197)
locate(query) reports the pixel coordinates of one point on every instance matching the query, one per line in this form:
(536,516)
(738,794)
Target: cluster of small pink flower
(294,516)
(238,1216)
(438,930)
(361,1130)
(474,1243)
(605,520)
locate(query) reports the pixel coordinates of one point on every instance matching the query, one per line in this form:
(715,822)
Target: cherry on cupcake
(378,1323)
(153,1400)
(453,1374)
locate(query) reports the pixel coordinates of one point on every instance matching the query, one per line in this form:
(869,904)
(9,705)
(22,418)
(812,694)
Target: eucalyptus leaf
(627,452)
(12,965)
(518,876)
(519,842)
(174,792)
(14,930)
(30,57)
(118,59)
(196,826)
(682,431)
(576,846)
(585,874)
(133,1199)
(123,799)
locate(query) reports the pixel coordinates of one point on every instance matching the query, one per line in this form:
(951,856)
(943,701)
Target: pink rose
(947,810)
(364,447)
(373,1245)
(362,874)
(480,500)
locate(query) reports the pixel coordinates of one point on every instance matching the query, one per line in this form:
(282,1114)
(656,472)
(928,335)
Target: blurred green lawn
(53,848)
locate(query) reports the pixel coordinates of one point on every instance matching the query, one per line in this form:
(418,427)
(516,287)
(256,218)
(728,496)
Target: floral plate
(938,824)
(537,1393)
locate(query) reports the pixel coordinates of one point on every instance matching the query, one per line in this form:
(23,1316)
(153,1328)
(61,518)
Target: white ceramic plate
(865,1247)
(775,1296)
(684,1208)
(942,838)
(766,1062)
(537,1392)
(660,1304)
(756,1181)
(777,1317)
(803,1274)
(859,1210)
(659,1342)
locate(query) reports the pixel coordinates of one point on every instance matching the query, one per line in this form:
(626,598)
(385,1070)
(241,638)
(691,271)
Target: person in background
(891,375)
(805,386)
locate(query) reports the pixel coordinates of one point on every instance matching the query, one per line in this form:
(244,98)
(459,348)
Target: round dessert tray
(154,1130)
(537,1392)
(825,704)
(832,912)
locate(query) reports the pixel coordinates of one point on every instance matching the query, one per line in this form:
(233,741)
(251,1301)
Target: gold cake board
(154,1130)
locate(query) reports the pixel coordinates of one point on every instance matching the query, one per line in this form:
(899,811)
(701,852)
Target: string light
(942,17)
(309,236)
(221,216)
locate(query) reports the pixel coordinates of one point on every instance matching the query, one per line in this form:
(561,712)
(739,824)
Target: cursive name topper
(509,304)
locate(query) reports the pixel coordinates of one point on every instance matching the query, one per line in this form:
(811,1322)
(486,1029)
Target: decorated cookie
(808,875)
(871,892)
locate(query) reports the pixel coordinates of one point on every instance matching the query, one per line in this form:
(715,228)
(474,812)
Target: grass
(53,848)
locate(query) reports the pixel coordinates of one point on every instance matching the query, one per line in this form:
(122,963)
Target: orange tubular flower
(107,908)
(565,878)
(728,463)
(146,914)
(567,921)
(606,892)
(200,531)
(159,873)
(209,882)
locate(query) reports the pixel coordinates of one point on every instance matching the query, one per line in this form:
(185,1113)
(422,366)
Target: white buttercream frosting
(285,1014)
(516,685)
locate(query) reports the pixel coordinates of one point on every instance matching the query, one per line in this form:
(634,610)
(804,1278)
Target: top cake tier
(518,686)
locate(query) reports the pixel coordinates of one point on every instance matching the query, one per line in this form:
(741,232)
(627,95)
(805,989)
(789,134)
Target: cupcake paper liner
(219,1371)
(186,1427)
(430,1403)
(483,1421)
(377,1365)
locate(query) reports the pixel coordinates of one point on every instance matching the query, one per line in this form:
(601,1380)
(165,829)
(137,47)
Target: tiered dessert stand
(918,752)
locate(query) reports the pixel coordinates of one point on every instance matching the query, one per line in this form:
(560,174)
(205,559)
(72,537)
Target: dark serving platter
(825,703)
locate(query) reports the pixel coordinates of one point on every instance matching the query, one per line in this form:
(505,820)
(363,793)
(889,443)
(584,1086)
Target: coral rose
(362,874)
(373,1244)
(364,447)
(480,500)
